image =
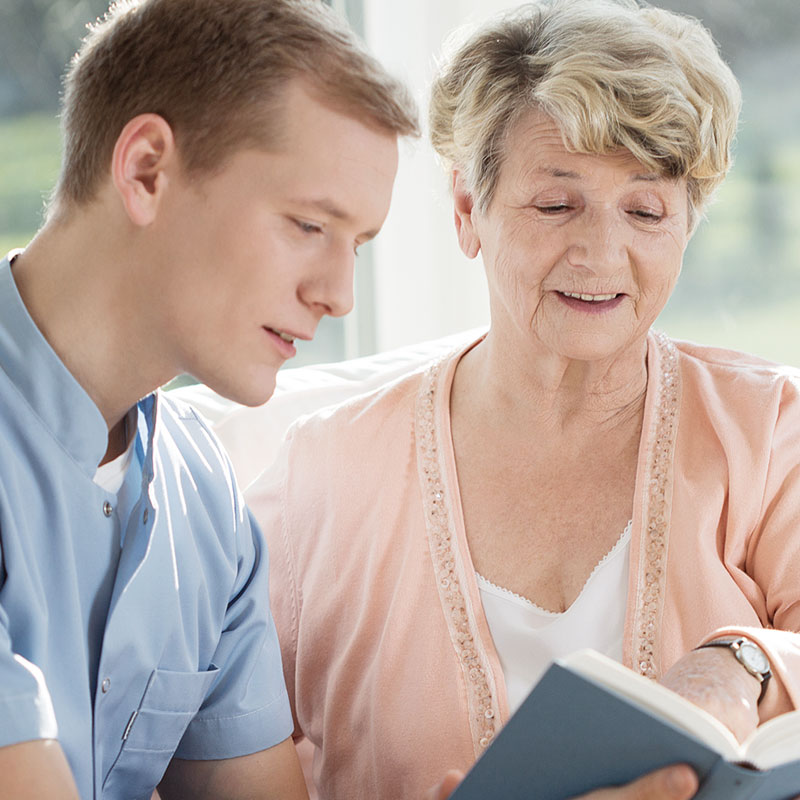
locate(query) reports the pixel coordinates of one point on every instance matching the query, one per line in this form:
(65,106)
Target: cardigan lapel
(652,509)
(455,577)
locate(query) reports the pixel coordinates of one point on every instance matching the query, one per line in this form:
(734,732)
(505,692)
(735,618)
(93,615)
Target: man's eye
(307,227)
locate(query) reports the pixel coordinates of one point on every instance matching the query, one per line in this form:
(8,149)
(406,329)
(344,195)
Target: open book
(590,722)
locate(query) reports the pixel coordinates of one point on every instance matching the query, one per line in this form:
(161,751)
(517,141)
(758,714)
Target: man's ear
(463,210)
(144,151)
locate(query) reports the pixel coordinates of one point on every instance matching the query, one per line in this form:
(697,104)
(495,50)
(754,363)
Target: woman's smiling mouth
(596,303)
(590,298)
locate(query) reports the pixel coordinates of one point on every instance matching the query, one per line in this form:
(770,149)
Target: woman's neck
(517,388)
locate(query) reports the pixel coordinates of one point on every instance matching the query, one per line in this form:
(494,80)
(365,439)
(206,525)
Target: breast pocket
(170,701)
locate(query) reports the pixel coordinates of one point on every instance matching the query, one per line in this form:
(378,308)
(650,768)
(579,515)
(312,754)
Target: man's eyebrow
(325,205)
(331,209)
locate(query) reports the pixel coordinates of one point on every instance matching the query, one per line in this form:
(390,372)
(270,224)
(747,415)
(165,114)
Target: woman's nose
(600,242)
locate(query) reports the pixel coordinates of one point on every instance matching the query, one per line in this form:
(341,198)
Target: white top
(121,477)
(109,476)
(528,638)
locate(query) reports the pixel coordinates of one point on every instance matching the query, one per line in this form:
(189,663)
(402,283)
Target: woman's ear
(144,151)
(463,210)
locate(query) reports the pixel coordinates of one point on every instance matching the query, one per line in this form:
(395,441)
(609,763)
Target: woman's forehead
(535,146)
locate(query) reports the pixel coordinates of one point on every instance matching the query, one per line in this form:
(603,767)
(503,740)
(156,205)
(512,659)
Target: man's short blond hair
(611,73)
(214,70)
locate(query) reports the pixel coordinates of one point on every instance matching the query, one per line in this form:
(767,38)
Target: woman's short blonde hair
(611,73)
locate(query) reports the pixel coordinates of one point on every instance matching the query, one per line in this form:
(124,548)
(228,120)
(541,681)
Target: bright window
(741,281)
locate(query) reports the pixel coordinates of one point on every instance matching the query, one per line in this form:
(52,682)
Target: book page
(776,741)
(657,699)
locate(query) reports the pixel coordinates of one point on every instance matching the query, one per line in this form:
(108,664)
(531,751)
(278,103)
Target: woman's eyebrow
(558,172)
(652,177)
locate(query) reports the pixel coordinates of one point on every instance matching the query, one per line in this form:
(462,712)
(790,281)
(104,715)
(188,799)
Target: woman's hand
(671,783)
(712,679)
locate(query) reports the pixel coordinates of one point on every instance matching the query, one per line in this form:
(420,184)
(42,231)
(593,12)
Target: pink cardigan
(389,662)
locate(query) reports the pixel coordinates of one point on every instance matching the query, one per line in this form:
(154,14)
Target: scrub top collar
(49,388)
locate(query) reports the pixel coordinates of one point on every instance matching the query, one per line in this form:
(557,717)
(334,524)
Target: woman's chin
(597,347)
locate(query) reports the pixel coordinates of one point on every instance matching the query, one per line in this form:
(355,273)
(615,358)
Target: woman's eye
(646,214)
(556,208)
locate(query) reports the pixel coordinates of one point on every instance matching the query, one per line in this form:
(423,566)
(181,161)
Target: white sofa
(252,435)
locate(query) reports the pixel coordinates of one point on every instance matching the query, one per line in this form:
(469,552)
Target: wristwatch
(749,655)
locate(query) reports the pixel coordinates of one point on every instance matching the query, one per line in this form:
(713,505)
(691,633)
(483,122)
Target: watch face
(753,659)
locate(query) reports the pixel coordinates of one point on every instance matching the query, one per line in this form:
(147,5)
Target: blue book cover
(579,729)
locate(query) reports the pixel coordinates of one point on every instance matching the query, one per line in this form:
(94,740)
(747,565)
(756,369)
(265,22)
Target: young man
(223,161)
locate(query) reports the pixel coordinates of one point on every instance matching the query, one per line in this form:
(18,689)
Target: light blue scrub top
(188,661)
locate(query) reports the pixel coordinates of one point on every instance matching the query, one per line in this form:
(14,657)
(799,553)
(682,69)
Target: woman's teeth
(592,298)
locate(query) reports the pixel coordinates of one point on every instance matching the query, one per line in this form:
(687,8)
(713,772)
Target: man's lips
(291,335)
(283,341)
(287,337)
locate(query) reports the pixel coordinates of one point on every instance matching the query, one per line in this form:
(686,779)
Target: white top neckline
(529,638)
(486,585)
(111,475)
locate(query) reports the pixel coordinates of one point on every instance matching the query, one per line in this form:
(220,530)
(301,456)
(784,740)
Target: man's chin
(256,397)
(252,393)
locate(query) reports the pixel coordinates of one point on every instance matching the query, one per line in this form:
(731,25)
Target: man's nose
(331,287)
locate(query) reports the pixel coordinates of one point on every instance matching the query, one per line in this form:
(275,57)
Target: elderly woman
(572,479)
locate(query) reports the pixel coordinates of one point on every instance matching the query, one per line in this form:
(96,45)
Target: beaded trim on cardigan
(483,710)
(657,511)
